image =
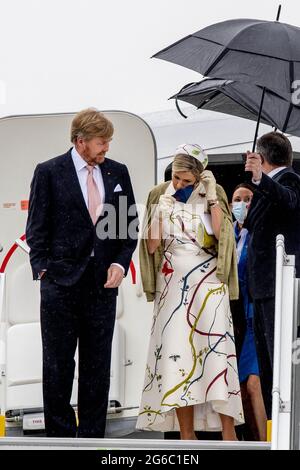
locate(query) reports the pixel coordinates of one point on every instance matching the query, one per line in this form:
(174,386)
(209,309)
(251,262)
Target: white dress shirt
(271,174)
(82,174)
(275,171)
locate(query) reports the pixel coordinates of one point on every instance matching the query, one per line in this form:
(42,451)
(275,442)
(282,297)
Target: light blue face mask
(239,210)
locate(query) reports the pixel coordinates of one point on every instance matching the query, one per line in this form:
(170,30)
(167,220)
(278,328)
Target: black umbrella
(243,100)
(264,53)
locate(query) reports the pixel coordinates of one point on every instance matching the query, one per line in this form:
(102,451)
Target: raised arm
(209,182)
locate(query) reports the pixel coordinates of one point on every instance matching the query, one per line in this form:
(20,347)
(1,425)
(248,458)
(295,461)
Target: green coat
(226,263)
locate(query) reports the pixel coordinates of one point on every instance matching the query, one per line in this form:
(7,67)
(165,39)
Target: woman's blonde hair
(91,123)
(184,162)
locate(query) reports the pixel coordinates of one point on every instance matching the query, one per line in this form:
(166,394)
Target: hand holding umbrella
(254,165)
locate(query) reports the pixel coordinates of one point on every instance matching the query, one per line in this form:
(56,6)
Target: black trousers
(82,313)
(264,315)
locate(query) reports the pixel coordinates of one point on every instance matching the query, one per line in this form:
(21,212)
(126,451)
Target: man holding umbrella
(275,209)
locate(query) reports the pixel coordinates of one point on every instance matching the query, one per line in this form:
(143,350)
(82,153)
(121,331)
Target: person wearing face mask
(255,413)
(189,269)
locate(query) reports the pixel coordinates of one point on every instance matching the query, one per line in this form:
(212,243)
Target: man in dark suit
(275,209)
(79,255)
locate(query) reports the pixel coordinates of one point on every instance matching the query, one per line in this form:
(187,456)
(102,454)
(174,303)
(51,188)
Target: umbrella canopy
(243,100)
(265,53)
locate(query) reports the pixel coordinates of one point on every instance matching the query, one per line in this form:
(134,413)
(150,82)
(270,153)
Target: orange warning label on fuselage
(24,205)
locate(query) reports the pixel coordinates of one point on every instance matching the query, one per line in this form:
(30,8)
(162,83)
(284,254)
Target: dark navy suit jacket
(60,232)
(275,209)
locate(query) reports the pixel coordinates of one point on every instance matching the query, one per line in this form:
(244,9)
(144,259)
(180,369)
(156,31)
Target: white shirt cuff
(256,182)
(120,266)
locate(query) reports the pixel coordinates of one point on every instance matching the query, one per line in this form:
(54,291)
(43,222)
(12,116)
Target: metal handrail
(280,254)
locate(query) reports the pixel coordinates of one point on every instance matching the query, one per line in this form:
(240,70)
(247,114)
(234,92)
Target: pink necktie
(94,200)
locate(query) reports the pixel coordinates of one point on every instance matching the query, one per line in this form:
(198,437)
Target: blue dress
(248,363)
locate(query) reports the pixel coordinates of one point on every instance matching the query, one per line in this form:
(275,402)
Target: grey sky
(64,55)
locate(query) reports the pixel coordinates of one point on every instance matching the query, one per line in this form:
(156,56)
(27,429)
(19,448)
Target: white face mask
(240,210)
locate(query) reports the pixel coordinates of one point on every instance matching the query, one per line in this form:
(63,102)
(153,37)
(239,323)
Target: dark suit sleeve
(128,245)
(286,193)
(37,231)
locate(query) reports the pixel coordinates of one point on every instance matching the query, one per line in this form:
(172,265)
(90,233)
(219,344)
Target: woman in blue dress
(254,409)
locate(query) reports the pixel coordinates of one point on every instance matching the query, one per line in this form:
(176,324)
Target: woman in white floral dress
(191,381)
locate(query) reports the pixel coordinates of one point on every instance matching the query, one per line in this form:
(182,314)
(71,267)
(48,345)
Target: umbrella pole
(262,98)
(258,119)
(278,13)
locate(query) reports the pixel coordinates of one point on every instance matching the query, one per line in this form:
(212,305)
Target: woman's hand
(209,183)
(165,203)
(164,207)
